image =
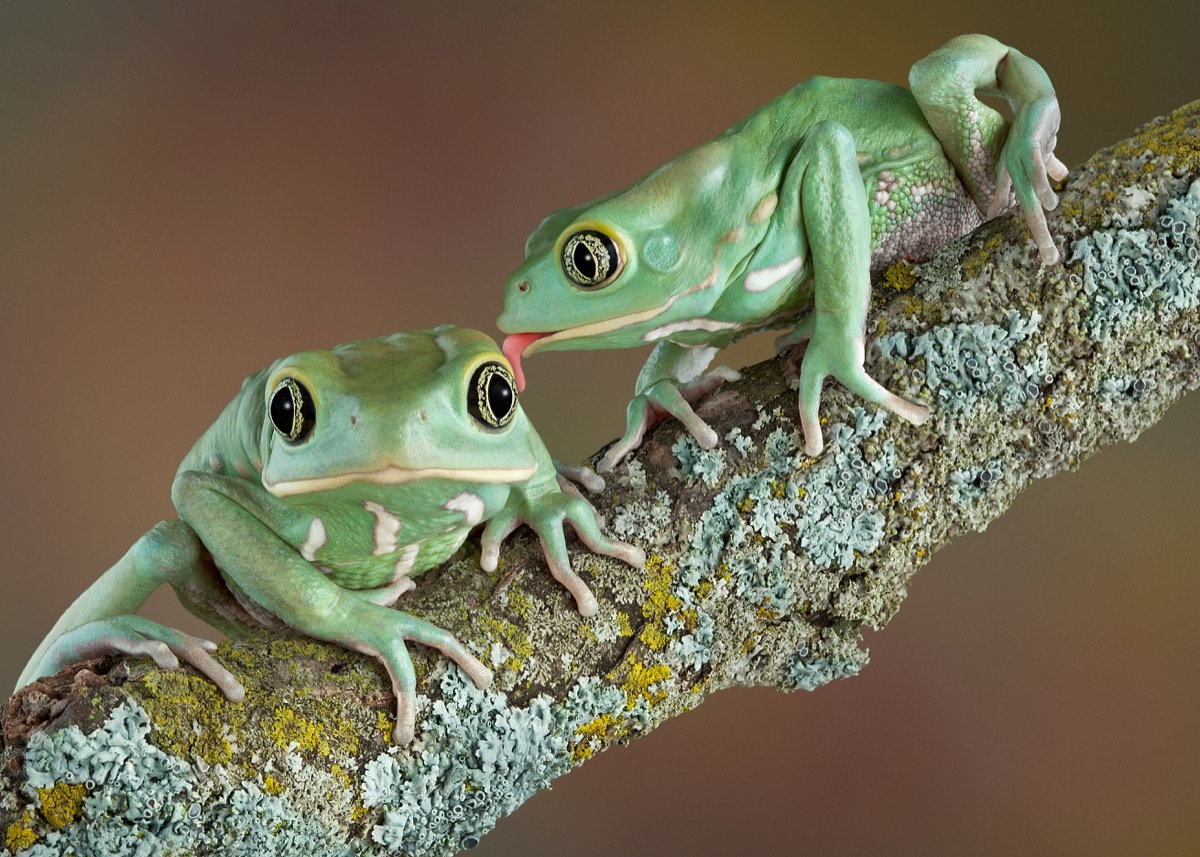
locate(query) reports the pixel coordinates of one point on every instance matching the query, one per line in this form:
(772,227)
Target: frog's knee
(831,138)
(167,550)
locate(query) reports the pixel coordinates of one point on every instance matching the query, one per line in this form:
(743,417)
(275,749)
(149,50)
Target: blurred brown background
(187,192)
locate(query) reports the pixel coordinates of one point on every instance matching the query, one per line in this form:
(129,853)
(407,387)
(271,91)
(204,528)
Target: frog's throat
(392,475)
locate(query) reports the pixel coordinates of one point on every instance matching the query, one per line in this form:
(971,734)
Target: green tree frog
(780,222)
(330,481)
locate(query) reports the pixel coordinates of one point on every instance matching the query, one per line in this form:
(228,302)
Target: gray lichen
(764,565)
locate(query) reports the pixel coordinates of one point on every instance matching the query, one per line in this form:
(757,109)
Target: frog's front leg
(672,378)
(546,509)
(251,537)
(101,620)
(835,217)
(992,159)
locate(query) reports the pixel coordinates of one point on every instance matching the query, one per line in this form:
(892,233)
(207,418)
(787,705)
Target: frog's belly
(916,209)
(407,560)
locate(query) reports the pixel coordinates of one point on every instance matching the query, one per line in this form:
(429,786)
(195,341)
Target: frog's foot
(842,358)
(546,516)
(569,474)
(1027,165)
(662,399)
(385,642)
(140,638)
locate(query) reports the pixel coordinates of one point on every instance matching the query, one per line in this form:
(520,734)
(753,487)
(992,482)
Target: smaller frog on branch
(331,481)
(780,223)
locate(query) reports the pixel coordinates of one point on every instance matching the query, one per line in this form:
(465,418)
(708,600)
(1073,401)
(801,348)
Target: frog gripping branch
(331,481)
(780,223)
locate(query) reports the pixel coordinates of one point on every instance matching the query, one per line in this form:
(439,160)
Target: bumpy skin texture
(768,226)
(331,481)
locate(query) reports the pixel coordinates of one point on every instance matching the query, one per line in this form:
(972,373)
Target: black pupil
(585,263)
(288,394)
(500,396)
(492,398)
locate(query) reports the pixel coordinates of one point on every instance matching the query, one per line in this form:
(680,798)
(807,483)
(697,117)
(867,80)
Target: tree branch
(764,565)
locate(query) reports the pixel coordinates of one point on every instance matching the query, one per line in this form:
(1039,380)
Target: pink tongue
(513,347)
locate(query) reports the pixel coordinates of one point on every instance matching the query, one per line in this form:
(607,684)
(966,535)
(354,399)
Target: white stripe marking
(387,527)
(470,505)
(764,278)
(687,324)
(314,540)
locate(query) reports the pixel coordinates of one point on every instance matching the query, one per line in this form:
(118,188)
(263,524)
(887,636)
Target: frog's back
(884,118)
(915,198)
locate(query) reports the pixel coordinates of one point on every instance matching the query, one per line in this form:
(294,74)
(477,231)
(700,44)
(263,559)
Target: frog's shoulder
(232,445)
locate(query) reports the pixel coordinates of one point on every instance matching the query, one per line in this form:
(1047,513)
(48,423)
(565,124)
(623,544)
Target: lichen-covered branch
(764,565)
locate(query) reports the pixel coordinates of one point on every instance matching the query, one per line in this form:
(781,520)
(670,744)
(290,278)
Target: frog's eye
(591,259)
(492,396)
(292,411)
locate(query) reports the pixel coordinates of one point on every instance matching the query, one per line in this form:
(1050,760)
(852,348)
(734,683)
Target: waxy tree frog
(780,222)
(329,482)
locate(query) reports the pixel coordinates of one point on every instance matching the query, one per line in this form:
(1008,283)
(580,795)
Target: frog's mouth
(517,344)
(395,475)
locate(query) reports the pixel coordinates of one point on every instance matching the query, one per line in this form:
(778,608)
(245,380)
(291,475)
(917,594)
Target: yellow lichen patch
(624,628)
(191,716)
(386,725)
(60,804)
(20,835)
(272,786)
(514,638)
(661,600)
(518,600)
(898,277)
(289,729)
(591,737)
(639,681)
(587,632)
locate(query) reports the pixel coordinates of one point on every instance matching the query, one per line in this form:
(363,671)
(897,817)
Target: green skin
(768,226)
(322,534)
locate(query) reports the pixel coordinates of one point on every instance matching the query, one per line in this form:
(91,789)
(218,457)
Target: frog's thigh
(835,218)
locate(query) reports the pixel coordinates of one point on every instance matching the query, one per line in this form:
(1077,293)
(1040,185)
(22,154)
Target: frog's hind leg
(101,620)
(836,219)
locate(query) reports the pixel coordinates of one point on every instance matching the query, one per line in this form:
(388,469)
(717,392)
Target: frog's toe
(1056,169)
(571,474)
(554,546)
(586,526)
(495,531)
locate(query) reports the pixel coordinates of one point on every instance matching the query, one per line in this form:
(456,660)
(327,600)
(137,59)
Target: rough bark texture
(764,565)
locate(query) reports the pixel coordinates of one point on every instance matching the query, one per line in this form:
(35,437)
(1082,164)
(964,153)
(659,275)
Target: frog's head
(439,403)
(609,273)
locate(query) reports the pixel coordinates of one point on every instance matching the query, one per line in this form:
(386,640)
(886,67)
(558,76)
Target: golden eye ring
(591,259)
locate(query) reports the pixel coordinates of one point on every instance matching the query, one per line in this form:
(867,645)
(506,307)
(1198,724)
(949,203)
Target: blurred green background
(189,191)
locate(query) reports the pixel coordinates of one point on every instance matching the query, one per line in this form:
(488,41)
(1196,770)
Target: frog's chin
(392,475)
(611,333)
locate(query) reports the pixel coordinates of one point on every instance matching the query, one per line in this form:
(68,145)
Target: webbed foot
(662,399)
(1027,165)
(841,355)
(139,637)
(546,516)
(384,640)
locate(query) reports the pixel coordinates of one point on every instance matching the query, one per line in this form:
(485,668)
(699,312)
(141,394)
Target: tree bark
(764,565)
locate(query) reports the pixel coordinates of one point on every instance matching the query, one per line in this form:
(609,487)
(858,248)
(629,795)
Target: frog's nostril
(523,286)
